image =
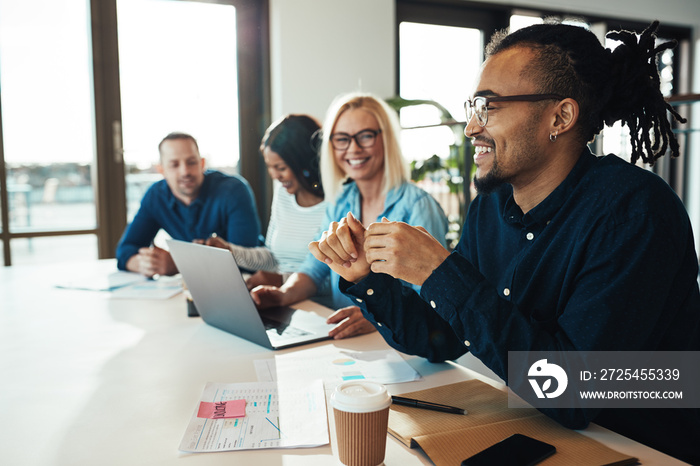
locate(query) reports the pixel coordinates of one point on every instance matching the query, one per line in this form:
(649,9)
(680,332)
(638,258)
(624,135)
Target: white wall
(321,48)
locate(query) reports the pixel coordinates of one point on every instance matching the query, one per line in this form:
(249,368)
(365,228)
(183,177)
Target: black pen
(399,400)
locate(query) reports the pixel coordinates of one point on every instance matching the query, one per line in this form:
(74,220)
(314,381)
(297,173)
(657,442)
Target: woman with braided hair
(562,252)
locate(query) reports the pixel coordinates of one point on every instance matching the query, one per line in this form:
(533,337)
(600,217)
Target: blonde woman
(363,172)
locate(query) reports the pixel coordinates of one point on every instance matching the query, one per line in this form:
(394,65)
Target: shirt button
(370,292)
(432,304)
(530,236)
(466,343)
(506,292)
(358,300)
(379,324)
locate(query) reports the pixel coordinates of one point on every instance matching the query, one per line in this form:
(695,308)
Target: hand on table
(350,323)
(262,277)
(266,296)
(155,261)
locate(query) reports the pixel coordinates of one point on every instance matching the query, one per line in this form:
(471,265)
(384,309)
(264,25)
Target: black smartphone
(516,450)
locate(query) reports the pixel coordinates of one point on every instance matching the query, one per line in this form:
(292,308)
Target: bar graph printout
(290,416)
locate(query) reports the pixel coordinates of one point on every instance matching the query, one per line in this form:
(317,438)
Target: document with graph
(336,365)
(275,416)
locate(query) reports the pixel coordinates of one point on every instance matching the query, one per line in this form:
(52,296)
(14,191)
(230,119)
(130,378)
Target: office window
(76,144)
(47,122)
(42,250)
(439,64)
(178,72)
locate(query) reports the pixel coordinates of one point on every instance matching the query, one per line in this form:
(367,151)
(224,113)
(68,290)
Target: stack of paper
(276,416)
(334,365)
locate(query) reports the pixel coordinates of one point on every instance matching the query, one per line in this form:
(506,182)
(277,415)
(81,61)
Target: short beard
(490,182)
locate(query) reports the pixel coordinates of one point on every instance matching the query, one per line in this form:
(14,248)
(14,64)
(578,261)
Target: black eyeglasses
(479,105)
(365,139)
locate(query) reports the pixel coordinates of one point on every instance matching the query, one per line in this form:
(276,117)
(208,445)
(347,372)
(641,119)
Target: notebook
(222,299)
(448,438)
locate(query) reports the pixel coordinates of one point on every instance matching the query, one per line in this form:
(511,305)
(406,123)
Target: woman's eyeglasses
(365,139)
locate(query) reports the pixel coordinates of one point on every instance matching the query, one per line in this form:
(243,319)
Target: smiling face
(511,147)
(362,164)
(182,168)
(280,171)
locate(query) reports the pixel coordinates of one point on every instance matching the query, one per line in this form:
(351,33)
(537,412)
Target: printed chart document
(162,288)
(335,365)
(276,416)
(111,282)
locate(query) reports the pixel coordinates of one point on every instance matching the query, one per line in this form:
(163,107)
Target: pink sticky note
(221,409)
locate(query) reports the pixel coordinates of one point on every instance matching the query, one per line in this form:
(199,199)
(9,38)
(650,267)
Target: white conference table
(88,380)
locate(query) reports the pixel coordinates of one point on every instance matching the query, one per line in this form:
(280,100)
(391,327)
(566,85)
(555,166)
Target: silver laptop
(222,299)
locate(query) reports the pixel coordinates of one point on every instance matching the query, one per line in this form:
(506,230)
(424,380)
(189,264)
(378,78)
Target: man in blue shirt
(189,204)
(561,250)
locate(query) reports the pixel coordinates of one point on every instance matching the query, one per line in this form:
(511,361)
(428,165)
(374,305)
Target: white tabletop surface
(91,380)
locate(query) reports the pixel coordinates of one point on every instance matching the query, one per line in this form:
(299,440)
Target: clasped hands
(403,251)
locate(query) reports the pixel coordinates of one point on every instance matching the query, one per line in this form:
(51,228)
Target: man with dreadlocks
(561,250)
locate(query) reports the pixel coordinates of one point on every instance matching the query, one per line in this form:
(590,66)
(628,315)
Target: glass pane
(177,63)
(438,63)
(50,249)
(48,130)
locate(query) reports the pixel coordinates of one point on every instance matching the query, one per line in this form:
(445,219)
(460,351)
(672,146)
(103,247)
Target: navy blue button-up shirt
(606,262)
(225,206)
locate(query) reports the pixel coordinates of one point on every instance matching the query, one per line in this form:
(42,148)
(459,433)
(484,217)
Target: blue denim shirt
(225,206)
(406,203)
(606,262)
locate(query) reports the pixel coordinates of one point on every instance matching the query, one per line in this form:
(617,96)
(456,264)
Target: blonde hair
(395,167)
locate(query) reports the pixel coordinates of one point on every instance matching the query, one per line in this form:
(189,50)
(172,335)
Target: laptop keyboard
(281,330)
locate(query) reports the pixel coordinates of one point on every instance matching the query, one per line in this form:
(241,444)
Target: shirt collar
(545,210)
(172,201)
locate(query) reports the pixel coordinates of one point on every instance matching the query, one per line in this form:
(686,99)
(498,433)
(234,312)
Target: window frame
(491,18)
(252,25)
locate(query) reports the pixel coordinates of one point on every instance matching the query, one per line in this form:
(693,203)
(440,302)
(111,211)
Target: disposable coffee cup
(361,411)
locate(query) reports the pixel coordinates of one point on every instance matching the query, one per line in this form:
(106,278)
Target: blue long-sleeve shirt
(225,206)
(606,262)
(405,203)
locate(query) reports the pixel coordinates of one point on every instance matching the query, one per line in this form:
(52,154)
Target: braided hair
(609,86)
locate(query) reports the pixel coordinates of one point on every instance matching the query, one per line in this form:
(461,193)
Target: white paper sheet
(335,365)
(277,416)
(109,282)
(162,288)
(265,369)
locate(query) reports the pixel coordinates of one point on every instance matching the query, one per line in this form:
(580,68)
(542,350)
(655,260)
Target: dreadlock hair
(609,86)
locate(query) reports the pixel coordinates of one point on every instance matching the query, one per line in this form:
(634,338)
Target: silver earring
(553,136)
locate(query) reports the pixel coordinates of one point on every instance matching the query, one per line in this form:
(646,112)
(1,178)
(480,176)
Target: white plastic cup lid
(360,396)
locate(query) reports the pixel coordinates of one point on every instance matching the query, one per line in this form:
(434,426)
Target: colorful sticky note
(221,409)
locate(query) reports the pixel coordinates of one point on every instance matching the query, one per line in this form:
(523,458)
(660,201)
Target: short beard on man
(489,182)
